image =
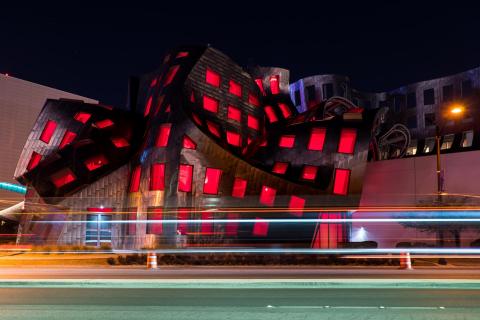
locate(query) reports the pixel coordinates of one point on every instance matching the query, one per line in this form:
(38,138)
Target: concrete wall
(20,104)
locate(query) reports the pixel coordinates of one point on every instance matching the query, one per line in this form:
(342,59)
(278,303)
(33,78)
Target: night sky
(91,50)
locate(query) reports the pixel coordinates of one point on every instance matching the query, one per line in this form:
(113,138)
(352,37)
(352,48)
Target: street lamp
(454,111)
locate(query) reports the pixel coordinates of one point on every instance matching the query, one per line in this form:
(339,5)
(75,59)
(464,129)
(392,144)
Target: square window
(48,131)
(253,123)
(212,181)
(287,141)
(68,138)
(341,181)
(135,179)
(260,228)
(34,160)
(155,214)
(185,176)
(259,83)
(102,124)
(285,109)
(272,117)
(253,100)
(96,162)
(296,206)
(210,104)
(467,139)
(347,141)
(212,78)
(234,138)
(234,113)
(428,97)
(235,88)
(82,117)
(239,188)
(188,143)
(447,92)
(275,84)
(213,128)
(317,139)
(280,167)
(157,177)
(163,135)
(327,89)
(63,177)
(267,195)
(309,172)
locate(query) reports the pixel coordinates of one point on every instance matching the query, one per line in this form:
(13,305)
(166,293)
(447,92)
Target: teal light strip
(13,187)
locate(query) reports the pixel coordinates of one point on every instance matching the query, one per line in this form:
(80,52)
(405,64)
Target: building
(20,104)
(203,139)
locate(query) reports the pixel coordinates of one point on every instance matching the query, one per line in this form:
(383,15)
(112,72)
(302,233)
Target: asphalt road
(234,272)
(212,304)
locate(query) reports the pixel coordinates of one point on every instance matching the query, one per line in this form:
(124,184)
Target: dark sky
(91,50)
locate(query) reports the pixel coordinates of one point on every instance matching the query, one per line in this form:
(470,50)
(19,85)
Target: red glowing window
(341,180)
(253,123)
(212,78)
(34,160)
(212,181)
(155,214)
(96,162)
(196,119)
(213,128)
(234,138)
(280,167)
(347,140)
(296,205)
(163,135)
(157,177)
(170,75)
(309,172)
(183,214)
(286,112)
(272,117)
(239,188)
(264,143)
(167,109)
(286,141)
(148,106)
(260,228)
(48,131)
(275,84)
(253,100)
(120,142)
(102,124)
(182,54)
(192,97)
(267,195)
(210,104)
(82,117)
(135,179)
(68,137)
(62,177)
(317,139)
(235,88)
(185,176)
(259,83)
(234,113)
(188,143)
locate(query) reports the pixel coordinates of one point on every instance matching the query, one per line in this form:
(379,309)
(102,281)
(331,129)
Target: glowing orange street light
(457,109)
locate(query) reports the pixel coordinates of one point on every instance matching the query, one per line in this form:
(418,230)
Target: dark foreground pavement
(212,304)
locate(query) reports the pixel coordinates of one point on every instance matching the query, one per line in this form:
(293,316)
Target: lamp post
(455,111)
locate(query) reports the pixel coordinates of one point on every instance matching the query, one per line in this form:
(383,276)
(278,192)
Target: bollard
(151,260)
(405,261)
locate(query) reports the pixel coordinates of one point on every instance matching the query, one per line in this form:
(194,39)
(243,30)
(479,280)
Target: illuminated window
(286,112)
(212,181)
(260,228)
(82,117)
(239,188)
(210,104)
(429,145)
(135,179)
(267,195)
(163,135)
(234,138)
(296,206)
(259,83)
(196,119)
(148,106)
(309,172)
(447,142)
(188,143)
(253,123)
(192,97)
(253,99)
(212,78)
(170,75)
(62,177)
(412,148)
(235,88)
(182,54)
(280,167)
(48,131)
(234,113)
(167,109)
(467,139)
(347,141)
(102,124)
(157,176)
(68,137)
(317,139)
(213,128)
(154,214)
(272,117)
(34,160)
(275,84)
(286,141)
(96,162)
(341,180)
(185,175)
(120,142)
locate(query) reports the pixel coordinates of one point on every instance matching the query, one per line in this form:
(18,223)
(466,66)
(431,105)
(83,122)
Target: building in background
(20,104)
